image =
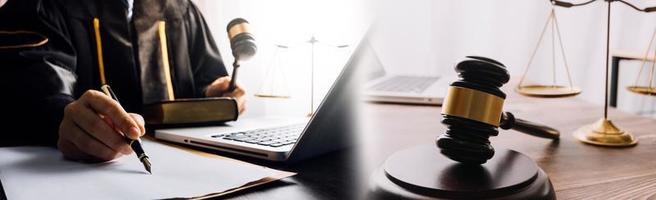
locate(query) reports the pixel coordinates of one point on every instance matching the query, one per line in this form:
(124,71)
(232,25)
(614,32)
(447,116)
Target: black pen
(135,144)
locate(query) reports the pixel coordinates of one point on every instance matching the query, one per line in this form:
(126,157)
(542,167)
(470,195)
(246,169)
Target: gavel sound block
(464,165)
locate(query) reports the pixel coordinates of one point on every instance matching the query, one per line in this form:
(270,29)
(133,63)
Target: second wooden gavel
(473,111)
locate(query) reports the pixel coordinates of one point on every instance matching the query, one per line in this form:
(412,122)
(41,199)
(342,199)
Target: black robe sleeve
(206,62)
(60,56)
(38,80)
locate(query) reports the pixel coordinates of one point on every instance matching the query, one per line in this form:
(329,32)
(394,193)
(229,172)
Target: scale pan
(272,96)
(644,90)
(547,91)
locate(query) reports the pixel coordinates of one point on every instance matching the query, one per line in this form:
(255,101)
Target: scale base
(423,173)
(547,91)
(605,133)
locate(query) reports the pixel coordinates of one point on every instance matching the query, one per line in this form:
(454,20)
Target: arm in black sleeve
(206,61)
(39,80)
(60,58)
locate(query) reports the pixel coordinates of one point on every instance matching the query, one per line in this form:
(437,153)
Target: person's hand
(219,88)
(92,128)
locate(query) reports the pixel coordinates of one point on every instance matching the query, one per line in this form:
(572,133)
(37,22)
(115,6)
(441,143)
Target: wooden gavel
(473,111)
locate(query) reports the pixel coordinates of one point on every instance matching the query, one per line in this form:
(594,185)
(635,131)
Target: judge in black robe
(131,53)
(132,49)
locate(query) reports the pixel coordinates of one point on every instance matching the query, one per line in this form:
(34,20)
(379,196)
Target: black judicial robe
(131,51)
(36,75)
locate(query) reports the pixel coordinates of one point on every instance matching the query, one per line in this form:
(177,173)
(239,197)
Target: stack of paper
(41,172)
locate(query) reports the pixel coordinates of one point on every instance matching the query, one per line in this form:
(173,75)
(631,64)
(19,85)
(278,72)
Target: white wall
(431,36)
(292,23)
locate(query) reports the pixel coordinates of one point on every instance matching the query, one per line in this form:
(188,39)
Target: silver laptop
(284,139)
(391,88)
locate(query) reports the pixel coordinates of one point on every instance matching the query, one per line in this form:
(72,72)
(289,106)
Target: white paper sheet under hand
(41,172)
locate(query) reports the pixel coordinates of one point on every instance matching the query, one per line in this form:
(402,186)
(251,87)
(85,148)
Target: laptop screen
(369,60)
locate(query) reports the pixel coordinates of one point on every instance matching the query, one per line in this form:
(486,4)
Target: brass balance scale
(602,132)
(650,89)
(275,83)
(554,89)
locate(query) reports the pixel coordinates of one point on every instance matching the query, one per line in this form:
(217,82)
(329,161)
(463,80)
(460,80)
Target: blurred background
(337,26)
(430,36)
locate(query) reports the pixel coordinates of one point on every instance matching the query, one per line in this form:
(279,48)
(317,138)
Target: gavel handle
(233,81)
(509,121)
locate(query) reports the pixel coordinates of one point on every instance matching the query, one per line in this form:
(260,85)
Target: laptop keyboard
(273,137)
(412,84)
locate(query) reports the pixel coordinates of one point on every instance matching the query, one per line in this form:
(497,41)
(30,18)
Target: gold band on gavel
(473,104)
(237,29)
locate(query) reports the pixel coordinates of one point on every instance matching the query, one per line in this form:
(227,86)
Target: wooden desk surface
(577,170)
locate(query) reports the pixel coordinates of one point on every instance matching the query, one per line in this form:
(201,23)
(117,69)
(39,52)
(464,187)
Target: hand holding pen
(84,134)
(135,144)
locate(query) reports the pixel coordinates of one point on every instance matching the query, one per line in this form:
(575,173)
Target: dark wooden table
(577,170)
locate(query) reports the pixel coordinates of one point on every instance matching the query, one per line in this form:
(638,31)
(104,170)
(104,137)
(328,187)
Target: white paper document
(42,173)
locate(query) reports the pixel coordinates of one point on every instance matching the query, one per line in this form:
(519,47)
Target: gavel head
(242,41)
(472,110)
